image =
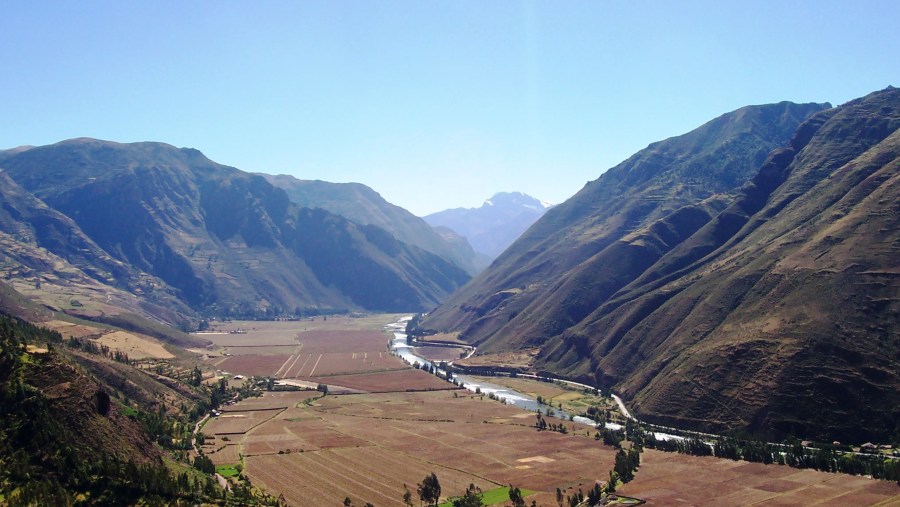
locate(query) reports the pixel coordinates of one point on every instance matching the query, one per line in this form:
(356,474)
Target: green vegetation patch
(228,470)
(493,496)
(129,411)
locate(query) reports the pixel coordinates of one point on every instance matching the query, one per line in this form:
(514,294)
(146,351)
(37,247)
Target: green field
(227,471)
(493,496)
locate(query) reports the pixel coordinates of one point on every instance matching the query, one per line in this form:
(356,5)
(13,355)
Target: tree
(429,489)
(407,496)
(611,485)
(472,498)
(347,501)
(515,496)
(594,494)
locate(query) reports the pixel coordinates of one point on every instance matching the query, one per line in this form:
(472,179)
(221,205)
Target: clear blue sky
(432,104)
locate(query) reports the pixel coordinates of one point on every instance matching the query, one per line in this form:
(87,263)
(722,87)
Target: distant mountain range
(491,228)
(740,277)
(168,231)
(365,206)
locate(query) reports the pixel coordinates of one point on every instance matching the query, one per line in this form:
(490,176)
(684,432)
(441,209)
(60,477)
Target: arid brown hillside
(582,251)
(785,318)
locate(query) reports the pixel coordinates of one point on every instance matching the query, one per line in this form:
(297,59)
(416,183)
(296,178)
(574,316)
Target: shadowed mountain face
(362,205)
(492,227)
(229,241)
(44,252)
(718,287)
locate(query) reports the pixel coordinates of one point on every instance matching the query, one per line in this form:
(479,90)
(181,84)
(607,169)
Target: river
(512,397)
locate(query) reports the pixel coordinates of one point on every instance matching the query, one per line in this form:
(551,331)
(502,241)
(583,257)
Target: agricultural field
(367,446)
(678,479)
(523,359)
(136,345)
(389,425)
(435,353)
(347,354)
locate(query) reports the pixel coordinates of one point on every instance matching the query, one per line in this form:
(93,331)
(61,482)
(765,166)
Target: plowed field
(670,478)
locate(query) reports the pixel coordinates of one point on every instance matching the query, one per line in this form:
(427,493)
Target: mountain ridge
(758,308)
(363,205)
(228,241)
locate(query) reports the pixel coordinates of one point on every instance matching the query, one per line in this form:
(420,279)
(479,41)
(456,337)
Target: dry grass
(522,359)
(137,346)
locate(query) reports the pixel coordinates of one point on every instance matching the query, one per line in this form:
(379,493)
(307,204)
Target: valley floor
(390,425)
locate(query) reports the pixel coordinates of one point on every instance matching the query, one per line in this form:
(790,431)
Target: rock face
(362,205)
(718,287)
(494,226)
(230,242)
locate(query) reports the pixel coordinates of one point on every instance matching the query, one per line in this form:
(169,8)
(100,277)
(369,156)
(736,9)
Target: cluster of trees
(91,347)
(627,463)
(429,491)
(824,457)
(541,424)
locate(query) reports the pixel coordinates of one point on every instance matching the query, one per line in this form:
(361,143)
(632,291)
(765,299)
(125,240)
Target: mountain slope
(229,241)
(47,256)
(582,251)
(364,206)
(789,324)
(493,226)
(778,315)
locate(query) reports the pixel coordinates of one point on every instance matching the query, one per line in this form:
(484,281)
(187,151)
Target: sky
(434,104)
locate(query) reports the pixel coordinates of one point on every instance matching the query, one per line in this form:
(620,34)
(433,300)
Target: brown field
(69,330)
(237,422)
(137,346)
(229,455)
(253,365)
(671,478)
(444,337)
(258,350)
(434,353)
(522,359)
(367,446)
(388,381)
(273,400)
(324,364)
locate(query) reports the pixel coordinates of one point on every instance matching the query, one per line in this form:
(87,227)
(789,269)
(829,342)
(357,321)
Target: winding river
(512,397)
(401,348)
